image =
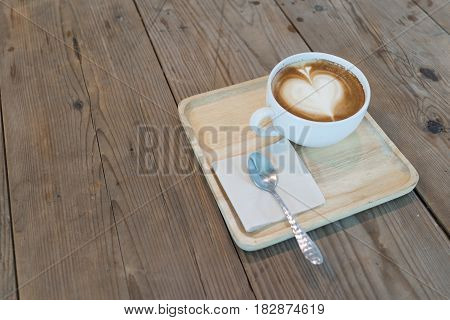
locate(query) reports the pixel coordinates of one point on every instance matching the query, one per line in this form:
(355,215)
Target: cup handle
(255,121)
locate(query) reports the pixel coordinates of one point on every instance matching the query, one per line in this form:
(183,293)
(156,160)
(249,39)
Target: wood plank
(438,10)
(61,214)
(393,251)
(409,78)
(7,262)
(174,244)
(250,39)
(200,49)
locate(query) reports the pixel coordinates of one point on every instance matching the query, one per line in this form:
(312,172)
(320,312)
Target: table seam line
(176,102)
(8,191)
(433,216)
(431,15)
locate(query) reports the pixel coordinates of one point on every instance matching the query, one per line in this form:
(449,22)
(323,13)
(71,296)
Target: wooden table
(78,218)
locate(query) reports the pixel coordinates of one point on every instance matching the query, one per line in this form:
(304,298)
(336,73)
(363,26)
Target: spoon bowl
(262,173)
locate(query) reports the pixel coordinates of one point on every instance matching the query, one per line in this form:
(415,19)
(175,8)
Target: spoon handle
(308,247)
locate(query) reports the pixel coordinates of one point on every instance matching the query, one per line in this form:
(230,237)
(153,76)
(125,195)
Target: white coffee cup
(302,131)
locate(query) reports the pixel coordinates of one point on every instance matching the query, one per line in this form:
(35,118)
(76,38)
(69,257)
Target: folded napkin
(257,208)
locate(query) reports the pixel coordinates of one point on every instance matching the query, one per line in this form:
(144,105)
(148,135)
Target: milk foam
(317,93)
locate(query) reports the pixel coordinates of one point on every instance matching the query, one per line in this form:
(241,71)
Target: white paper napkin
(257,208)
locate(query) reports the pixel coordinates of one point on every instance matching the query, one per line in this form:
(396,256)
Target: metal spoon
(265,177)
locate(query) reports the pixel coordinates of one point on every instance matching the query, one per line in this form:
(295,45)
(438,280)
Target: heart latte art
(318,90)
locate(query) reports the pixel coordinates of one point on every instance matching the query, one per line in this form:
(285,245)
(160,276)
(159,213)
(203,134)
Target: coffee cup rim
(331,58)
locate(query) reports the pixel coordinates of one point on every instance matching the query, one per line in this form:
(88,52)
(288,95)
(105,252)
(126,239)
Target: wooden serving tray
(362,171)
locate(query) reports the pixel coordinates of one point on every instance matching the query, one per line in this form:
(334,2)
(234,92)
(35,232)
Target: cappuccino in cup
(314,99)
(318,90)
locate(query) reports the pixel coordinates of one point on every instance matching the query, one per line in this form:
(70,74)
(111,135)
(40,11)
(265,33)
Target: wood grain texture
(400,233)
(361,172)
(393,251)
(409,77)
(234,41)
(64,244)
(438,10)
(7,262)
(172,237)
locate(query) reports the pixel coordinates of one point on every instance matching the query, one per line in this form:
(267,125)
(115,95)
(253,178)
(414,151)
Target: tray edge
(247,243)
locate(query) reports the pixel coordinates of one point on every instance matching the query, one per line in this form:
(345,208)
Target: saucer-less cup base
(301,131)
